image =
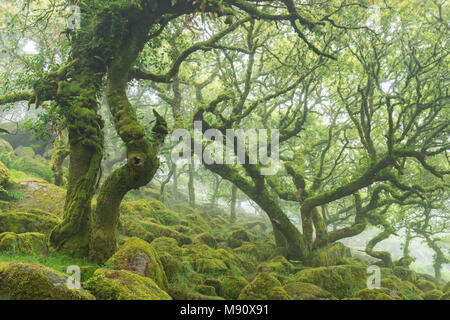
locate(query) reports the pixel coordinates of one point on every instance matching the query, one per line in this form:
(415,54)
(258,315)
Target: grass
(54,261)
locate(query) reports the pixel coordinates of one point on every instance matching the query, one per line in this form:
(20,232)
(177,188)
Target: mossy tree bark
(142,160)
(59,154)
(234,190)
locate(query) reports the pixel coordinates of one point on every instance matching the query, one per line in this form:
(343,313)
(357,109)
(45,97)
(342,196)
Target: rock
(232,286)
(5,146)
(379,294)
(150,230)
(433,295)
(32,243)
(234,243)
(406,288)
(278,265)
(306,291)
(342,281)
(264,287)
(205,238)
(168,245)
(179,293)
(446,288)
(22,151)
(32,221)
(331,255)
(206,290)
(405,274)
(207,265)
(139,256)
(28,281)
(4,175)
(216,284)
(124,285)
(40,195)
(425,285)
(241,234)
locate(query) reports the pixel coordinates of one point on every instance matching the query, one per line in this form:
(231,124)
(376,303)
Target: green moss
(27,281)
(150,230)
(264,287)
(211,266)
(39,195)
(406,288)
(232,286)
(425,285)
(4,174)
(379,294)
(205,238)
(241,234)
(405,274)
(168,245)
(5,146)
(140,257)
(124,285)
(331,255)
(234,243)
(341,281)
(433,295)
(32,221)
(278,265)
(307,291)
(22,151)
(179,293)
(27,243)
(216,284)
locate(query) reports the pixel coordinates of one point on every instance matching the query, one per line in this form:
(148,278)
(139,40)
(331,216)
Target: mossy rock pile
(278,265)
(265,286)
(32,243)
(306,291)
(31,221)
(406,288)
(28,281)
(139,256)
(39,194)
(5,146)
(379,294)
(405,274)
(205,238)
(124,285)
(433,295)
(232,286)
(425,285)
(342,281)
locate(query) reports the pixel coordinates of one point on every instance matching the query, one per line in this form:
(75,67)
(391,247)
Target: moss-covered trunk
(142,160)
(86,147)
(59,154)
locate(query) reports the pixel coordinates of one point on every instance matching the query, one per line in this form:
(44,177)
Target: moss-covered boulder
(179,293)
(278,264)
(31,221)
(27,243)
(379,294)
(445,296)
(306,291)
(232,286)
(28,281)
(433,295)
(264,287)
(216,284)
(139,256)
(331,255)
(40,195)
(406,288)
(4,175)
(150,230)
(168,245)
(405,274)
(342,281)
(234,243)
(210,266)
(22,151)
(205,238)
(425,285)
(124,285)
(242,235)
(5,146)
